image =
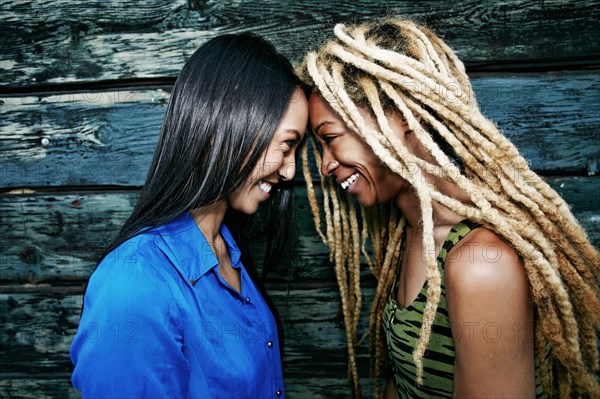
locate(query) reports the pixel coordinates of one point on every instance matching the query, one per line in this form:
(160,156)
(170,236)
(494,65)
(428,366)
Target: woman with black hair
(176,307)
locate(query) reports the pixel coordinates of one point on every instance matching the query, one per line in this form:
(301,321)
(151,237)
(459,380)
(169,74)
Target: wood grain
(55,386)
(303,387)
(61,236)
(58,237)
(93,138)
(107,138)
(61,41)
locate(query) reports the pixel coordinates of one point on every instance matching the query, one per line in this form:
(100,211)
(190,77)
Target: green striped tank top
(402,327)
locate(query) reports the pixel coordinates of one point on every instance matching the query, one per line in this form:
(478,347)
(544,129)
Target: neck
(209,219)
(408,203)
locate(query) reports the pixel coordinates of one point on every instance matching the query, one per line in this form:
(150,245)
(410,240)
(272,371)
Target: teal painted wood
(107,138)
(544,118)
(49,238)
(93,138)
(57,386)
(60,387)
(57,236)
(64,41)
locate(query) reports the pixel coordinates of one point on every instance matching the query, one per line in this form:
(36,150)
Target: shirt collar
(183,243)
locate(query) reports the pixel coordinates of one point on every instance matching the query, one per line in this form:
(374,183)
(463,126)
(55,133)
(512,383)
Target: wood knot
(11,303)
(196,4)
(592,166)
(31,255)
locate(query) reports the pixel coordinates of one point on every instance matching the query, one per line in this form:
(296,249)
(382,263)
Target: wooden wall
(83,90)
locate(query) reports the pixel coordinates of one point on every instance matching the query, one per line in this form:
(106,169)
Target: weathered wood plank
(107,138)
(62,236)
(102,138)
(33,387)
(61,41)
(296,388)
(37,330)
(545,118)
(50,236)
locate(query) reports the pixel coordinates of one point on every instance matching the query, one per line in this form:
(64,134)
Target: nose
(328,165)
(288,169)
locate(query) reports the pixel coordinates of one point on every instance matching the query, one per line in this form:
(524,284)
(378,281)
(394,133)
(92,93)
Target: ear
(404,121)
(399,125)
(417,118)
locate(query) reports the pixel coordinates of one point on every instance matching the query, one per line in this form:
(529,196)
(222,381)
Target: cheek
(278,162)
(272,162)
(257,173)
(367,158)
(345,152)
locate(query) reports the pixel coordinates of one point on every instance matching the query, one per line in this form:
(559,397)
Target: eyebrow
(320,125)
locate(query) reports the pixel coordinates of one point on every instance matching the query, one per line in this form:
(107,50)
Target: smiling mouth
(346,183)
(266,187)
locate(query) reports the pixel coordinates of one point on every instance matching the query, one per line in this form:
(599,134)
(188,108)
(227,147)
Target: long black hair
(222,114)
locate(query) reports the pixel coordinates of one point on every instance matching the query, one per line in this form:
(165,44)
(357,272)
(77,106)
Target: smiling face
(349,160)
(278,161)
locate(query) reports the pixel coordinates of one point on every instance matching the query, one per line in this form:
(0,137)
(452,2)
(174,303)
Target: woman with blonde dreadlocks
(487,286)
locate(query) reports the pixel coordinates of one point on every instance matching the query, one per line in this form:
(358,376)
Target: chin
(366,201)
(249,210)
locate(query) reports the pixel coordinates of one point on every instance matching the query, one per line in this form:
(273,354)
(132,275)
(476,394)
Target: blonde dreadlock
(398,65)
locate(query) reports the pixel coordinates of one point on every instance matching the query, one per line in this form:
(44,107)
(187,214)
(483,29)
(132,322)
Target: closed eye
(291,143)
(328,139)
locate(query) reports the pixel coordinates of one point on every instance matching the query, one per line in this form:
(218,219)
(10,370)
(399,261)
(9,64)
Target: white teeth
(266,187)
(346,183)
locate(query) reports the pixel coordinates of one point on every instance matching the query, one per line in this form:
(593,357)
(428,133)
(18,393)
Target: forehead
(317,102)
(319,110)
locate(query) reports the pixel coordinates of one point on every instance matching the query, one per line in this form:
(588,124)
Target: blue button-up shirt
(160,322)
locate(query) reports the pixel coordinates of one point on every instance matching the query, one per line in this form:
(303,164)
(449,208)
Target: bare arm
(492,319)
(390,389)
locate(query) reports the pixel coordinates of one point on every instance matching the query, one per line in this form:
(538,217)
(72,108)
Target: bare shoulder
(491,316)
(484,263)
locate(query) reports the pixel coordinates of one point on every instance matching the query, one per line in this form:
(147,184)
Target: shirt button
(278,393)
(269,344)
(247,299)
